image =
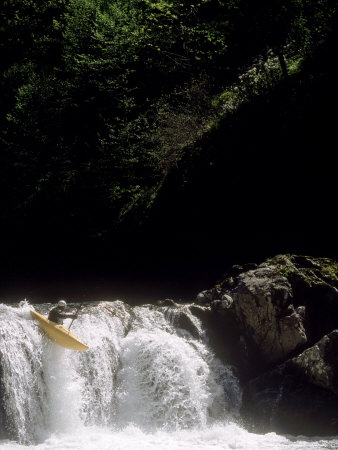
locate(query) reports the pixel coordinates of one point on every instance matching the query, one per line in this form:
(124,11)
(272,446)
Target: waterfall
(142,369)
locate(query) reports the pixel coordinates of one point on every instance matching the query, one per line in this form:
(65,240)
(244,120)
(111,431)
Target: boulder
(185,321)
(268,321)
(167,302)
(276,323)
(319,364)
(270,312)
(207,296)
(299,396)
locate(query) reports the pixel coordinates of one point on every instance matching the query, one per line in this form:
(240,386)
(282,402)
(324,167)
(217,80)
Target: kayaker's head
(62,304)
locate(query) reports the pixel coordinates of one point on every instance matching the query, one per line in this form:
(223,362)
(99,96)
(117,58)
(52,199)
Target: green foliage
(102,98)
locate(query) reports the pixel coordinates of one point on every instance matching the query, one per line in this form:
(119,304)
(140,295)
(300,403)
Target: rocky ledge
(277,325)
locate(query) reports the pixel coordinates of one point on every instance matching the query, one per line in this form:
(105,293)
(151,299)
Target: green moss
(329,268)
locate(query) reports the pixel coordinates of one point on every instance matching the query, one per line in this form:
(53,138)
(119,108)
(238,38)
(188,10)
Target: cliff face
(277,324)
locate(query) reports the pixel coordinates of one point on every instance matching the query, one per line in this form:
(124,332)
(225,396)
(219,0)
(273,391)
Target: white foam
(142,385)
(216,437)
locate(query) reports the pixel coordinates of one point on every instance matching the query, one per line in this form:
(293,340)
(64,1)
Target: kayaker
(57,314)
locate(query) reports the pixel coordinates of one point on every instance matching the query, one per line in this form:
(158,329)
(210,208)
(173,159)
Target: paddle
(78,309)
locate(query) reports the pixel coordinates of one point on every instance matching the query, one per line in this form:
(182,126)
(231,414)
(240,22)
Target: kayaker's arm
(57,315)
(68,315)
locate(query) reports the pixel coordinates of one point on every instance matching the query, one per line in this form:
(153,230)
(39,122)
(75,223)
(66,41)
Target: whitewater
(144,383)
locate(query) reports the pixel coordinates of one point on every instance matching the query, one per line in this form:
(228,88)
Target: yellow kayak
(58,333)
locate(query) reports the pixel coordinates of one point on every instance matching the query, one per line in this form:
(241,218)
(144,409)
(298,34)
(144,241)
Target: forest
(172,117)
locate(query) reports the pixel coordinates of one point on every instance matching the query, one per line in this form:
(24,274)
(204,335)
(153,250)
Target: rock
(121,310)
(271,312)
(299,396)
(286,404)
(319,364)
(206,297)
(202,312)
(226,301)
(184,320)
(166,302)
(276,323)
(266,315)
(316,290)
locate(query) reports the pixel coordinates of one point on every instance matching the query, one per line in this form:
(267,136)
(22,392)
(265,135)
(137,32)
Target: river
(144,383)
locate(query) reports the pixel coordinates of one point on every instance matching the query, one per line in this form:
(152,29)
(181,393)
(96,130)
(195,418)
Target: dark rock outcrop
(277,324)
(273,311)
(183,319)
(299,396)
(318,364)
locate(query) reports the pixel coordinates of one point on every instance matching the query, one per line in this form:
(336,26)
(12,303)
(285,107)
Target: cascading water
(146,382)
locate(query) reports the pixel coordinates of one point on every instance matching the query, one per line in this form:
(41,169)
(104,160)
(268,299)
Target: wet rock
(184,320)
(276,323)
(224,303)
(273,311)
(166,302)
(266,316)
(299,396)
(120,310)
(203,297)
(286,404)
(207,296)
(201,312)
(319,364)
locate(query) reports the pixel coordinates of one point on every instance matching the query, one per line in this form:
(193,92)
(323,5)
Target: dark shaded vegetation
(271,163)
(141,120)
